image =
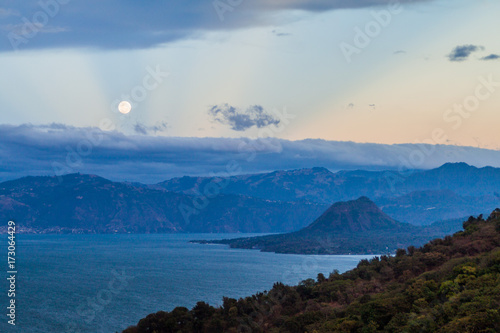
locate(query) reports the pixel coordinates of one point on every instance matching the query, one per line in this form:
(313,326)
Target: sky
(211,72)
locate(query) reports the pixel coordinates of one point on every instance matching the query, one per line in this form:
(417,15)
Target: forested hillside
(351,227)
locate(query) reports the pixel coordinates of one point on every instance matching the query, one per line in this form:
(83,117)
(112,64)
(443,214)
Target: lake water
(104,283)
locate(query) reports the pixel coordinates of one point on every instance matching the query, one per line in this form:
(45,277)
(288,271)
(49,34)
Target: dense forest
(447,285)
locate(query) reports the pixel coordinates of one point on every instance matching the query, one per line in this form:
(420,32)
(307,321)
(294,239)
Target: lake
(104,283)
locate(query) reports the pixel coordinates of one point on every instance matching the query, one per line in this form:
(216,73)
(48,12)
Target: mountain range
(454,190)
(275,202)
(91,204)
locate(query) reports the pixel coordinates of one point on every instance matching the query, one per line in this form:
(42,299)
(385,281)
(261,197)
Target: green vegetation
(447,285)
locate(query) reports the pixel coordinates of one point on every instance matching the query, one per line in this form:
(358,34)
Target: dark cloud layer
(115,24)
(145,130)
(462,52)
(240,120)
(58,149)
(491,57)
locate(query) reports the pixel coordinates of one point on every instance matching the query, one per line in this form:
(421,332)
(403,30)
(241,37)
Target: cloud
(59,149)
(280,34)
(115,24)
(140,128)
(462,52)
(240,120)
(399,52)
(491,57)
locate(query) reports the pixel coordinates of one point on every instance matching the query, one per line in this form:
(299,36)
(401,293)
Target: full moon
(124,107)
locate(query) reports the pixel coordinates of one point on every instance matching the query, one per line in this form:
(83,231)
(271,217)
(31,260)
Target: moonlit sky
(264,55)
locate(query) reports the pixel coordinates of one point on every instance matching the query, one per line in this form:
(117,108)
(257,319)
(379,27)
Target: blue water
(104,283)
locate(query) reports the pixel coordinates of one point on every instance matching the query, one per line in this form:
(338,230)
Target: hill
(355,226)
(91,204)
(447,285)
(353,216)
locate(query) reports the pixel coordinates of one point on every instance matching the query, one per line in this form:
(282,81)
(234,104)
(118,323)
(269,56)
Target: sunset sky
(230,68)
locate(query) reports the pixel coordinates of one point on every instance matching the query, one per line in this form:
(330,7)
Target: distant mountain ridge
(449,187)
(320,184)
